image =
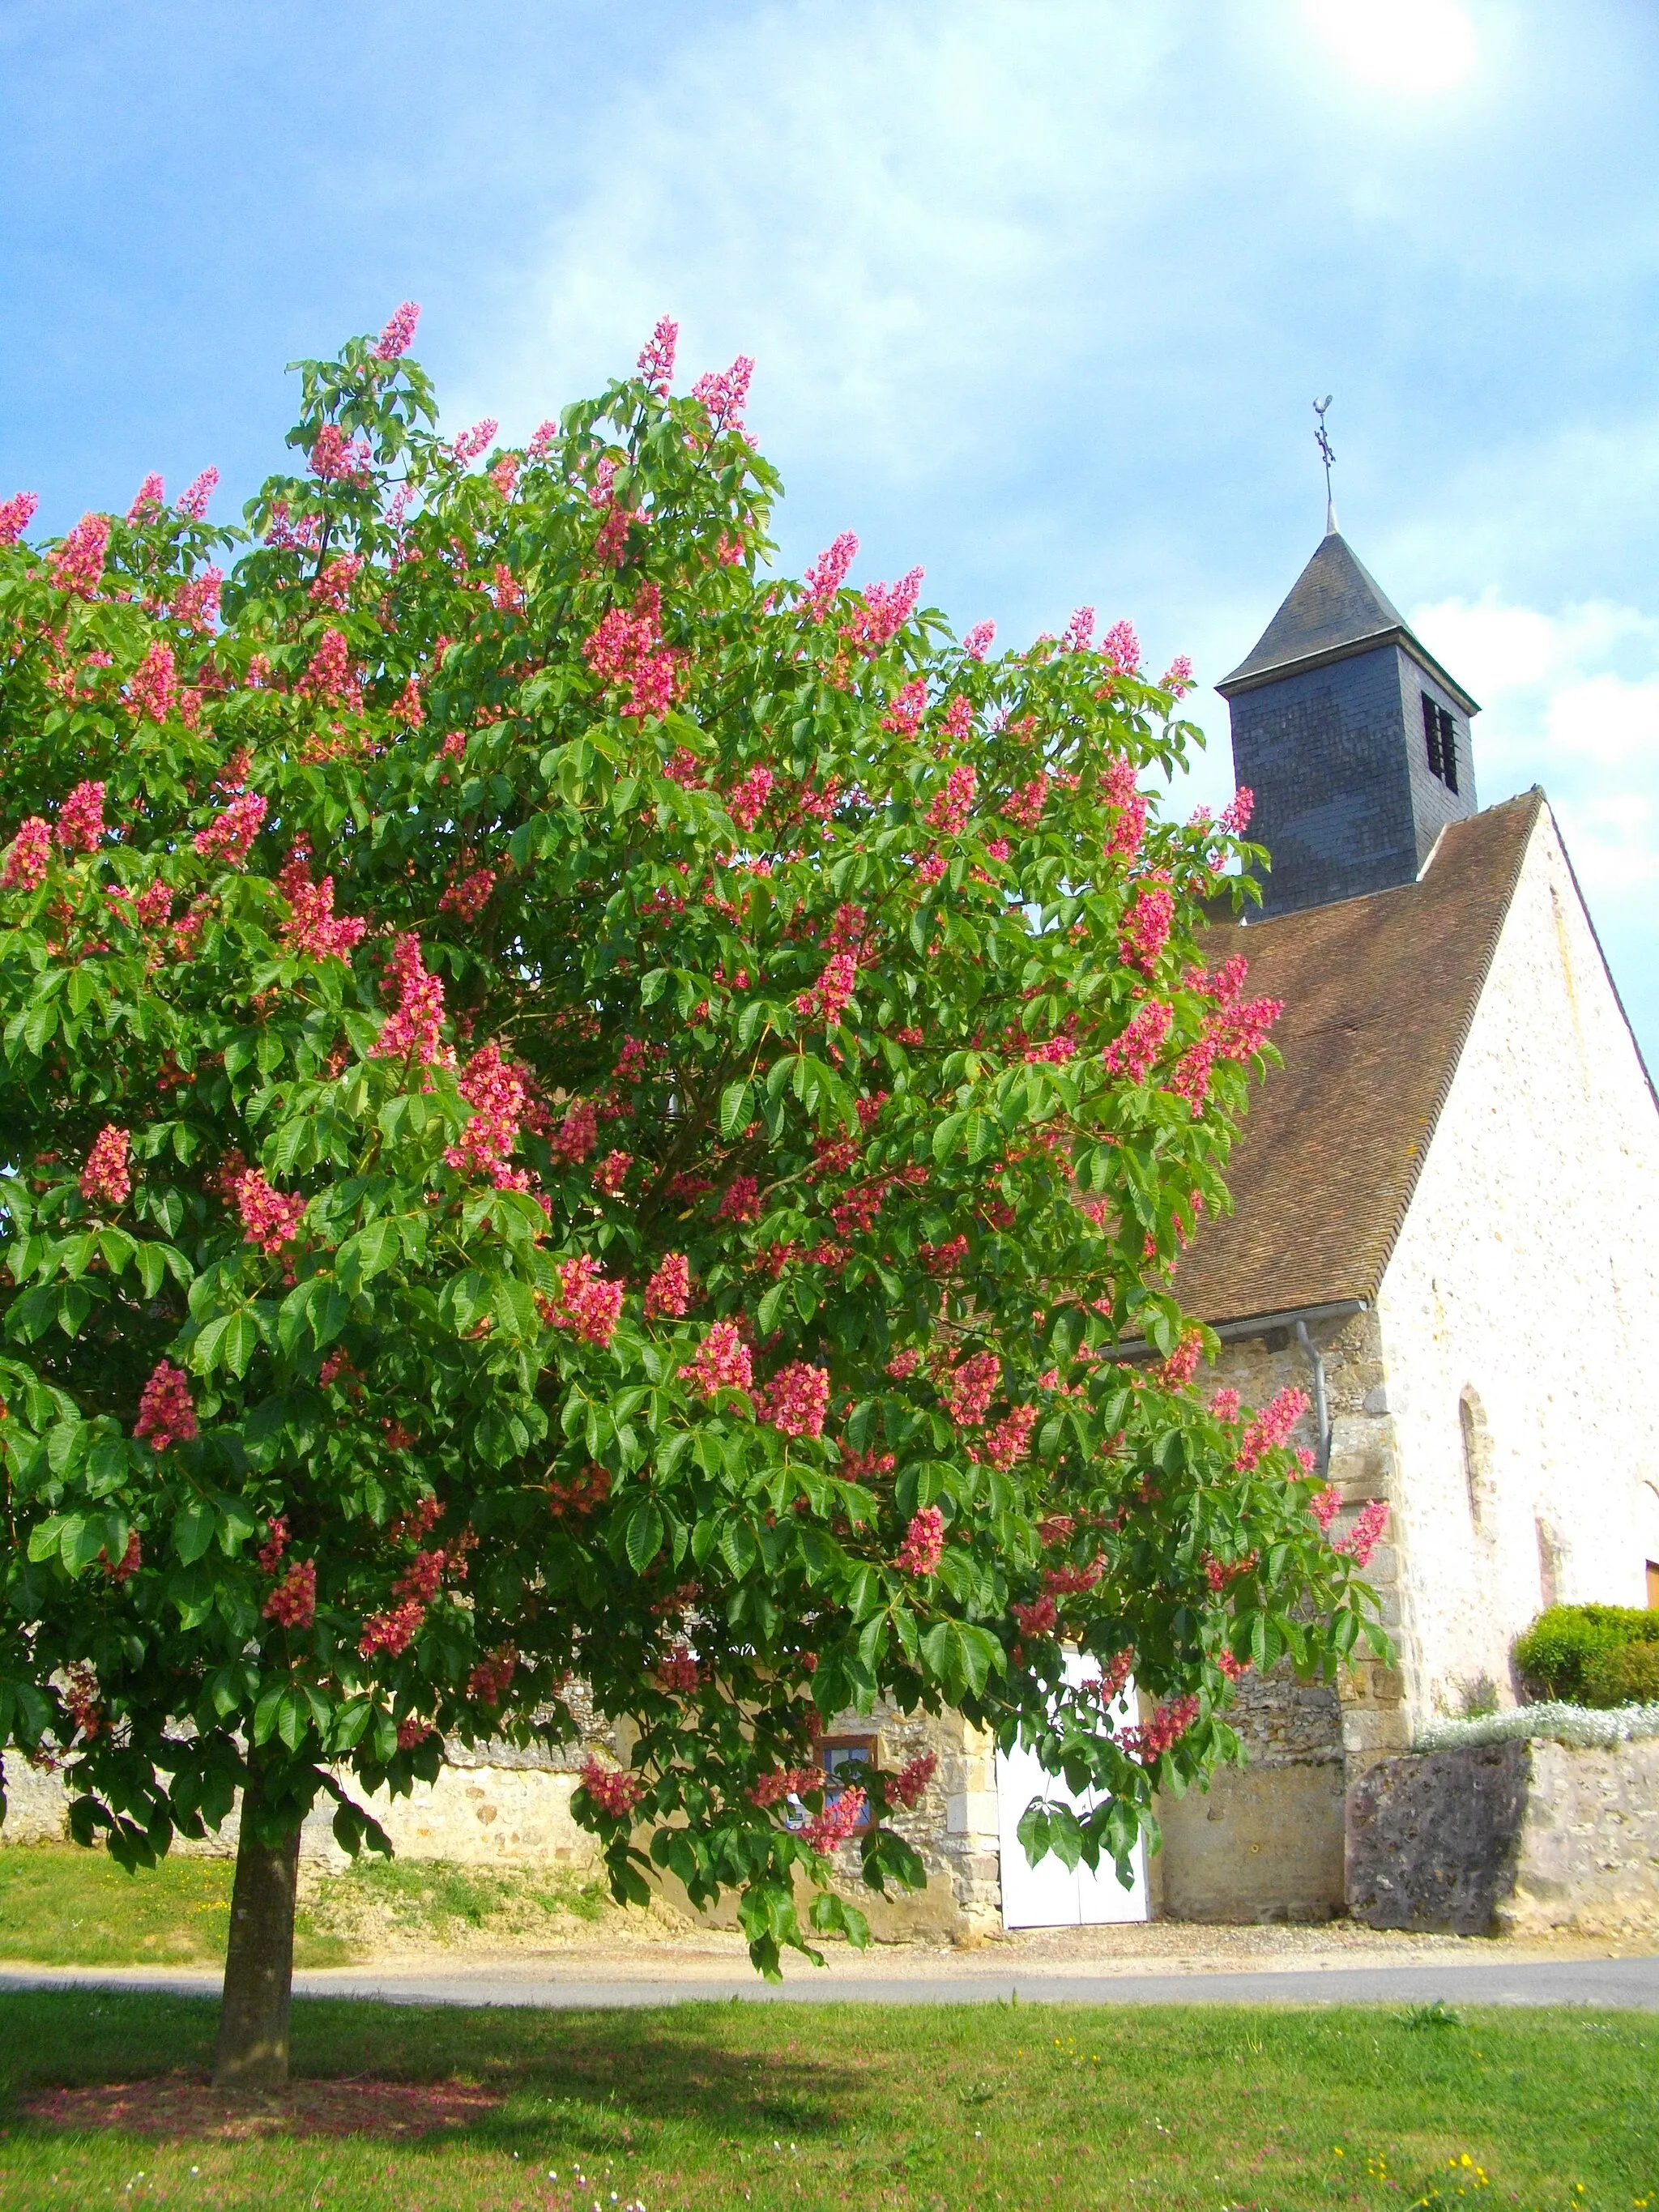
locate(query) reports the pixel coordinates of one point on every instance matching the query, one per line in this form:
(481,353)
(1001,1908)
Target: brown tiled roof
(1379,993)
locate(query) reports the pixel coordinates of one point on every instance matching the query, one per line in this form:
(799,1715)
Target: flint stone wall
(1520,1838)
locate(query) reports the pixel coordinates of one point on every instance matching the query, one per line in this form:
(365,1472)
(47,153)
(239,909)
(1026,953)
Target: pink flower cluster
(623,649)
(588,1302)
(270,1552)
(195,602)
(329,675)
(416,1022)
(496,1092)
(1118,789)
(668,1293)
(492,1678)
(1122,648)
(394,340)
(1235,1028)
(827,574)
(969,1388)
(165,1413)
(678,1672)
(312,926)
(1236,815)
(1362,1539)
(1225,1405)
(1133,1053)
(724,394)
(15,515)
(656,362)
(78,565)
(1026,804)
(1177,677)
(146,499)
(1079,631)
(293,1603)
(231,833)
(740,1201)
(577,1134)
(796,1400)
(784,1781)
(469,898)
(334,456)
(948,815)
(154,685)
(909,704)
(393,1631)
(1325,1506)
(107,1176)
(1147,924)
(333,588)
(1271,1428)
(615,1794)
(271,1218)
(906,1787)
(924,1543)
(1165,1729)
(837,1821)
(611,1174)
(80,819)
(1008,1441)
(831,996)
(193,500)
(746,800)
(470,443)
(977,643)
(722,1362)
(882,612)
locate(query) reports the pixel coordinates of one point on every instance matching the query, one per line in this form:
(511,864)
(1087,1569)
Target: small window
(1477,1462)
(847,1758)
(1440,739)
(1653,1582)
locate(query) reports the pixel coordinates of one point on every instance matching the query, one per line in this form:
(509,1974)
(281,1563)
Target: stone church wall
(1517,1317)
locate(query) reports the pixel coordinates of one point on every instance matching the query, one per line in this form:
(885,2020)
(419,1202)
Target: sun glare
(1397,45)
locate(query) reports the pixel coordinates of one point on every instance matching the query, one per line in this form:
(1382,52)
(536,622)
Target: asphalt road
(1626,1985)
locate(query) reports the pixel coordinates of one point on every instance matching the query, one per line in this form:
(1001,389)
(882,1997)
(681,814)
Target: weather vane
(1322,441)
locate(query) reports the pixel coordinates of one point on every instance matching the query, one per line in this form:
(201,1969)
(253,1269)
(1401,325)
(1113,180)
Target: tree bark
(253,2046)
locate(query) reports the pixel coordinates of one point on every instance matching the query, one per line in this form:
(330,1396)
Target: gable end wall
(1526,1275)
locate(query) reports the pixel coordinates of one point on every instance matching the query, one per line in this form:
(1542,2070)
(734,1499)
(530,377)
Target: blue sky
(1039,290)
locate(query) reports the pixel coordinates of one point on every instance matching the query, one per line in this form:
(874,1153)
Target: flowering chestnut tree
(574,1114)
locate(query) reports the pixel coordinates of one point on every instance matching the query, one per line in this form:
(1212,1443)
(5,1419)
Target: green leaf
(644,1537)
(734,1109)
(738,1548)
(192,1530)
(944,1136)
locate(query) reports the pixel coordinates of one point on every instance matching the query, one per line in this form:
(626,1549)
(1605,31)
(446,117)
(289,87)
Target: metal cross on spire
(1326,455)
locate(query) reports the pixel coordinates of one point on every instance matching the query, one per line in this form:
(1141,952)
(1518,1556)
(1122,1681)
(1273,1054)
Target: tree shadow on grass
(588,2084)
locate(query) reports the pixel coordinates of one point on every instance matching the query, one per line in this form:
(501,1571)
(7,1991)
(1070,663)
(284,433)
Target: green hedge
(1592,1655)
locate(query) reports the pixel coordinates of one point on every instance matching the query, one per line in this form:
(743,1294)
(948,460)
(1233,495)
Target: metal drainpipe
(1321,1408)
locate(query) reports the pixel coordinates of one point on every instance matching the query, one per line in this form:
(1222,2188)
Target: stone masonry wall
(1518,1838)
(1518,1314)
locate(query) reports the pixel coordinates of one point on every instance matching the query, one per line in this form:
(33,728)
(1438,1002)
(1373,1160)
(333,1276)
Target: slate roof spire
(1353,737)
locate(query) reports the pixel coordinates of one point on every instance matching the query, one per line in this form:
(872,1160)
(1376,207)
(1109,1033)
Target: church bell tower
(1352,737)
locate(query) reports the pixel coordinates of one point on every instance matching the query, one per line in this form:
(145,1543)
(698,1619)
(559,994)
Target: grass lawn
(60,1906)
(407,2109)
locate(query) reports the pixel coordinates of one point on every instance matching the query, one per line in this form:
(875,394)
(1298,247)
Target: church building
(1446,1223)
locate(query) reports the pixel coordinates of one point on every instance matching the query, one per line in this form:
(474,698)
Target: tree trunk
(252,2047)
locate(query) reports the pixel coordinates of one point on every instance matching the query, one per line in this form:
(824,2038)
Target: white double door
(1050,1894)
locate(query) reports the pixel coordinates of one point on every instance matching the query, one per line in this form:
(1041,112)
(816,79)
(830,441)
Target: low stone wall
(1263,1843)
(500,1811)
(1519,1838)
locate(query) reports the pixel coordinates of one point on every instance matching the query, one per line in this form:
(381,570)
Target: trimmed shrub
(1626,1676)
(1574,1653)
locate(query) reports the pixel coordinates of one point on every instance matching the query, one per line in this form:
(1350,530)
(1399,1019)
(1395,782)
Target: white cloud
(1415,47)
(1570,700)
